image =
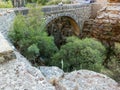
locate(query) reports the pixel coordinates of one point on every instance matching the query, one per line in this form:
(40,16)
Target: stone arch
(73,19)
(61,27)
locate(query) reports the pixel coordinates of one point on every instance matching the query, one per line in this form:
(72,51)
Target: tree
(29,37)
(80,54)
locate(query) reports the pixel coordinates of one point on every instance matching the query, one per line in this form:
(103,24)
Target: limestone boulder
(52,74)
(18,75)
(86,80)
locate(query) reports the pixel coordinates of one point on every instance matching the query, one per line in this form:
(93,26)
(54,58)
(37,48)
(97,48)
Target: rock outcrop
(106,26)
(78,80)
(16,73)
(86,80)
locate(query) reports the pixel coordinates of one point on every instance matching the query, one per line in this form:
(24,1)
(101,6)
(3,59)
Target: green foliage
(117,48)
(30,5)
(80,54)
(114,63)
(6,4)
(113,66)
(33,49)
(42,2)
(29,36)
(49,2)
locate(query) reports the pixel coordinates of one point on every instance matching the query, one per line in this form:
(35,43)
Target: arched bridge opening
(62,27)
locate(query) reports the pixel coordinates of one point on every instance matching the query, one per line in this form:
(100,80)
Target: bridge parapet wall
(67,7)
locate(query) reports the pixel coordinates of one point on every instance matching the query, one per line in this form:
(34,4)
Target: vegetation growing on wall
(49,2)
(54,2)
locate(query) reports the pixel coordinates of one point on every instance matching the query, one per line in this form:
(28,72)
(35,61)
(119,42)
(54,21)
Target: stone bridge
(76,13)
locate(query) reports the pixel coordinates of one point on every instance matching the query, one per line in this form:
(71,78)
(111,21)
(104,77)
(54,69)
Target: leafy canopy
(29,36)
(80,54)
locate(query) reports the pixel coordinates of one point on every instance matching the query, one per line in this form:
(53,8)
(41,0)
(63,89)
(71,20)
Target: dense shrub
(29,36)
(7,4)
(80,54)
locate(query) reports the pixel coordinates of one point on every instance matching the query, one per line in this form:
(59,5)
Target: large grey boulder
(86,80)
(52,74)
(20,75)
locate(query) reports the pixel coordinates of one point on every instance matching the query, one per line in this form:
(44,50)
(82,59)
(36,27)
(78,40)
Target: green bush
(80,54)
(29,36)
(7,4)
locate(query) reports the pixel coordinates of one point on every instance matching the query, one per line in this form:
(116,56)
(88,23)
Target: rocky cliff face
(106,26)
